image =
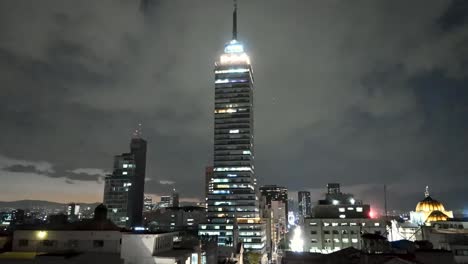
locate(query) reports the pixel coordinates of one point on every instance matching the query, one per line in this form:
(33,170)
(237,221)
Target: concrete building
(340,205)
(88,235)
(124,188)
(158,248)
(171,219)
(328,235)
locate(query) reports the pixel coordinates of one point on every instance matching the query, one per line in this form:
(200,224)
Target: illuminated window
(350,208)
(334,224)
(124,173)
(234,131)
(376,224)
(358,209)
(345,240)
(246,152)
(354,240)
(341,209)
(233,71)
(125,166)
(336,240)
(342,216)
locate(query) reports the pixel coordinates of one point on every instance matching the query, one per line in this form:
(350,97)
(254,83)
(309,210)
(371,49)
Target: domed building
(429,210)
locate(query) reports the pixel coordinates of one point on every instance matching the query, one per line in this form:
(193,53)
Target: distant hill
(27,204)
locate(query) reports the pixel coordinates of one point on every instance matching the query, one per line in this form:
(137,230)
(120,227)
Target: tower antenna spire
(234,21)
(426,193)
(137,132)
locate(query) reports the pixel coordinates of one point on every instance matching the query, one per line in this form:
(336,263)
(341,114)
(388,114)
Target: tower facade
(124,188)
(303,198)
(233,204)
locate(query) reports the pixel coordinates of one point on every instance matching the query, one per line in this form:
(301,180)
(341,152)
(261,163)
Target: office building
(124,188)
(338,222)
(233,204)
(340,205)
(303,199)
(186,218)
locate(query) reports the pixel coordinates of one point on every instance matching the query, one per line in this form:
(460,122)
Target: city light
(41,234)
(234,47)
(372,214)
(335,202)
(297,243)
(234,58)
(352,201)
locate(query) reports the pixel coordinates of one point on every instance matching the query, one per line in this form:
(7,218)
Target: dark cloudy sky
(364,93)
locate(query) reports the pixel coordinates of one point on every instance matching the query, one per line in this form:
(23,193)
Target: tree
(253,257)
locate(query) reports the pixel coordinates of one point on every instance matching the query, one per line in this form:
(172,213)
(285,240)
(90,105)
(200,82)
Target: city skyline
(362,109)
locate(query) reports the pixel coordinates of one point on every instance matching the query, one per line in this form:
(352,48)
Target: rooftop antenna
(426,193)
(137,132)
(234,21)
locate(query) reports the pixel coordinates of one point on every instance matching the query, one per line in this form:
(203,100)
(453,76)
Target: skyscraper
(124,188)
(303,198)
(233,206)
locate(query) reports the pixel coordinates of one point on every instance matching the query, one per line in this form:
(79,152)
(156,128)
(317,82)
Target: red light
(371,214)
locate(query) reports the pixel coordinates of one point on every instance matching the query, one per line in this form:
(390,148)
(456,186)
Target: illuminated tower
(233,206)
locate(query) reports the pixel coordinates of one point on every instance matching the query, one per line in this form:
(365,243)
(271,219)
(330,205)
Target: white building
(329,235)
(156,248)
(105,241)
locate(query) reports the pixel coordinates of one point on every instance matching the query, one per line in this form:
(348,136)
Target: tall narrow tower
(233,205)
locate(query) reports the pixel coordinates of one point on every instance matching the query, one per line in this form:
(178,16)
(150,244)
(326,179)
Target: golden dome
(429,205)
(436,216)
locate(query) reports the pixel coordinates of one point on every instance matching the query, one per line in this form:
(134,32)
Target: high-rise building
(124,188)
(208,181)
(233,204)
(303,198)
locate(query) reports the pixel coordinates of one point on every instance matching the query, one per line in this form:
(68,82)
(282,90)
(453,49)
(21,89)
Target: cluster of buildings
(239,218)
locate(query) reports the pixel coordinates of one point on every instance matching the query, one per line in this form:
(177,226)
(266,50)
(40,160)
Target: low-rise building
(329,235)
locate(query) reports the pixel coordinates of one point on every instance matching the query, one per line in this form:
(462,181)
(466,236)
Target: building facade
(170,219)
(233,204)
(124,188)
(329,235)
(208,181)
(303,199)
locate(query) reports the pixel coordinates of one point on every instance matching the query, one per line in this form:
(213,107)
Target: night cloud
(364,93)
